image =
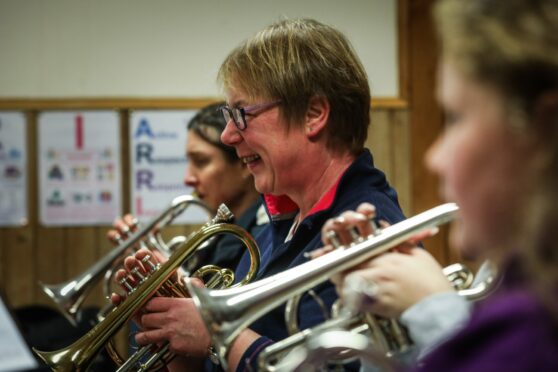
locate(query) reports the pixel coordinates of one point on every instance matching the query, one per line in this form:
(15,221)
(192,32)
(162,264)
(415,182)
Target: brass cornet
(69,296)
(77,356)
(227,312)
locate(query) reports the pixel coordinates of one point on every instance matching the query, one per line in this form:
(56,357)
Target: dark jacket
(361,182)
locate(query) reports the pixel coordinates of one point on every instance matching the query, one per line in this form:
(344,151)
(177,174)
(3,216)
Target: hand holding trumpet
(392,282)
(164,319)
(122,228)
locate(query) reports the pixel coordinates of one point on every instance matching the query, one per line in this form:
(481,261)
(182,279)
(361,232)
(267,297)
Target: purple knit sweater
(510,331)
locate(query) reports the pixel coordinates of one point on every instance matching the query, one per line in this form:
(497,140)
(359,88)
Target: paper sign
(13,169)
(158,163)
(79,165)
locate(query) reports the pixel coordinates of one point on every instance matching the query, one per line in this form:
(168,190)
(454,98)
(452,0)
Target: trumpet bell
(69,296)
(67,300)
(77,356)
(227,312)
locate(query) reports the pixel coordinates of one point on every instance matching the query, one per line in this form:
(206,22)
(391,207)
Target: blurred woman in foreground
(498,159)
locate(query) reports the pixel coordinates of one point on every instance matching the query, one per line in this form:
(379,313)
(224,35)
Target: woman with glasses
(218,176)
(298,110)
(498,159)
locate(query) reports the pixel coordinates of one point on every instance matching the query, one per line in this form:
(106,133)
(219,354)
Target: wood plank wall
(34,253)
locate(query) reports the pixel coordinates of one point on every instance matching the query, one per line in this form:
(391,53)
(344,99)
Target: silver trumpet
(227,312)
(384,338)
(69,296)
(328,344)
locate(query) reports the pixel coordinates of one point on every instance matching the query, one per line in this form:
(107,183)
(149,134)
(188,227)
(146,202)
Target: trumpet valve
(124,283)
(146,261)
(137,273)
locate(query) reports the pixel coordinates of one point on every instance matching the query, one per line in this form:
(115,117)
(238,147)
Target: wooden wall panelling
(81,250)
(3,284)
(51,259)
(32,191)
(426,119)
(32,198)
(124,116)
(401,156)
(378,141)
(103,246)
(19,264)
(388,140)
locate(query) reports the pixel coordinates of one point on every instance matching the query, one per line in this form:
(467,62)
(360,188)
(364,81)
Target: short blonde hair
(296,60)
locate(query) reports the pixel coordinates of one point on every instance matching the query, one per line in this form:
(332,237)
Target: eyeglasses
(238,114)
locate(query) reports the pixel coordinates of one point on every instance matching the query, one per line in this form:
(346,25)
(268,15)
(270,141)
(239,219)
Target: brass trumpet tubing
(69,296)
(227,312)
(223,277)
(77,356)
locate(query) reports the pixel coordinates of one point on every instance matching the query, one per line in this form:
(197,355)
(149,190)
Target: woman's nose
(435,156)
(189,178)
(230,135)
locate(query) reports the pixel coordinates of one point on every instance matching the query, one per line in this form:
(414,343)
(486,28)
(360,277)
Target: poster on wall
(158,164)
(79,168)
(13,169)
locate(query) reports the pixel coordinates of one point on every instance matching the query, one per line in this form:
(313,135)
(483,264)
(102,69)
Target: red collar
(282,207)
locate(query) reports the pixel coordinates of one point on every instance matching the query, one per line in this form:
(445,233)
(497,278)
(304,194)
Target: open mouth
(250,159)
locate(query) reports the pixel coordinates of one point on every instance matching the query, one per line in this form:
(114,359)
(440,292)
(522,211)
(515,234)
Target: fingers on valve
(125,225)
(131,221)
(136,270)
(350,227)
(114,237)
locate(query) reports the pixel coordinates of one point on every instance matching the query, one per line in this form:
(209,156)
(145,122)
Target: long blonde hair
(512,46)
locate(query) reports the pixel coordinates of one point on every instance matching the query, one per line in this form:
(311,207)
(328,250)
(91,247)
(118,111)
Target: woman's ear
(317,116)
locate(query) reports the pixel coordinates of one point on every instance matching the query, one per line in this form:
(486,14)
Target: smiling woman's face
(269,150)
(482,163)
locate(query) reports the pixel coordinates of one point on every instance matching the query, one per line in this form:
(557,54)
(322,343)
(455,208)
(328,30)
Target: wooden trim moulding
(141,103)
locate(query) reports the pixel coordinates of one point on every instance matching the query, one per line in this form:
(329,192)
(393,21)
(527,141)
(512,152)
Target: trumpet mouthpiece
(224,214)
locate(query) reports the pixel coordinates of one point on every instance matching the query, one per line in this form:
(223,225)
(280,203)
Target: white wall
(165,48)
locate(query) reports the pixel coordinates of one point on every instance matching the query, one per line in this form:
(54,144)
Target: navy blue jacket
(226,250)
(361,182)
